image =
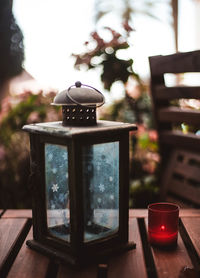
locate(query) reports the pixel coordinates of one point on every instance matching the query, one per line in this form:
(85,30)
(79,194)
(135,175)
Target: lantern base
(80,261)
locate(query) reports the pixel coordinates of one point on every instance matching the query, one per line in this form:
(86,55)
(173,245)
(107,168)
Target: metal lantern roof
(79,103)
(79,94)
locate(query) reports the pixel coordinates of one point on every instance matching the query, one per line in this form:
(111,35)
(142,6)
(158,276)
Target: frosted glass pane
(101,190)
(57,191)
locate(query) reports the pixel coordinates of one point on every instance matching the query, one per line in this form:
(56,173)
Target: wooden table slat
(68,272)
(192,226)
(20,213)
(138,213)
(133,213)
(131,263)
(170,263)
(15,224)
(29,263)
(128,264)
(143,213)
(10,232)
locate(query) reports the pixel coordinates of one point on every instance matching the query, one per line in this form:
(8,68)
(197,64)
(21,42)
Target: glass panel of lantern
(100,186)
(57,191)
(101,190)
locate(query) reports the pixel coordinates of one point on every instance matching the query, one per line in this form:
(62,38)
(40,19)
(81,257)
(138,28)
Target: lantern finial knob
(78,84)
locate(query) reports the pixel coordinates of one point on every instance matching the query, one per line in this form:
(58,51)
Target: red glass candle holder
(163,224)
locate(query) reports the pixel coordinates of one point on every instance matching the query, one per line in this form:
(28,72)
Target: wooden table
(18,261)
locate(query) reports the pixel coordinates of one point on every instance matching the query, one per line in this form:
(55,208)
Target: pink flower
(52,116)
(33,117)
(49,93)
(141,130)
(153,135)
(153,157)
(149,167)
(6,107)
(2,153)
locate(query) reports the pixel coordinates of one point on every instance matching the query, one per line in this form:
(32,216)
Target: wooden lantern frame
(77,252)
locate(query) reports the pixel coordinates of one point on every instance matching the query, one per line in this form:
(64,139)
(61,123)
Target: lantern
(80,181)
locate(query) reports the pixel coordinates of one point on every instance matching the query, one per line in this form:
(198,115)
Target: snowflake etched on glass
(101,190)
(57,191)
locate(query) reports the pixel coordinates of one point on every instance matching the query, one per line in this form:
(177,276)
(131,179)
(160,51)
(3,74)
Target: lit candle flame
(162,228)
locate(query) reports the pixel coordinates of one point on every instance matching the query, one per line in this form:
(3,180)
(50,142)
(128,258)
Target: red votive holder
(163,224)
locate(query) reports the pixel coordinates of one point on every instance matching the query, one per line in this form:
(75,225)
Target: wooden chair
(180,152)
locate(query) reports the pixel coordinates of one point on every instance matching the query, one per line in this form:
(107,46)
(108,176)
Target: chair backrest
(180,151)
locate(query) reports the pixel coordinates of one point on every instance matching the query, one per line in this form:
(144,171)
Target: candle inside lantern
(163,224)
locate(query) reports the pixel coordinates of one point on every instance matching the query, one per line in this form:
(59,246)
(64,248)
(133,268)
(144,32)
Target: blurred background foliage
(101,51)
(16,111)
(134,107)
